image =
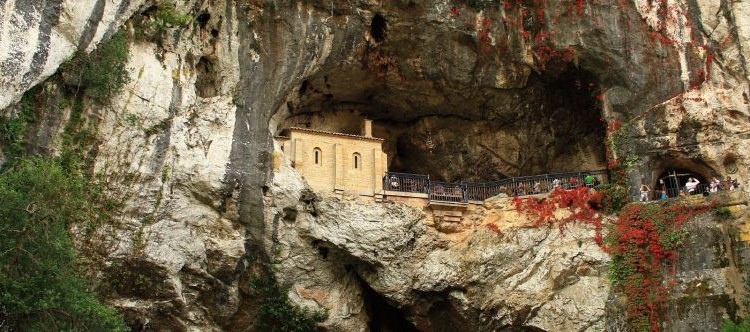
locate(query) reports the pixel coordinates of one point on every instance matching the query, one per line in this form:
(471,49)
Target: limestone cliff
(458,92)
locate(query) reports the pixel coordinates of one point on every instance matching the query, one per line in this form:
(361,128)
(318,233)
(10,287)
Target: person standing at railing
(589,180)
(730,184)
(537,187)
(555,183)
(394,182)
(644,192)
(691,185)
(715,184)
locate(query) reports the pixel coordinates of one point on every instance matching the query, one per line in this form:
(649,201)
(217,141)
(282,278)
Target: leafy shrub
(103,72)
(155,23)
(40,286)
(278,314)
(126,279)
(614,197)
(741,326)
(13,128)
(723,212)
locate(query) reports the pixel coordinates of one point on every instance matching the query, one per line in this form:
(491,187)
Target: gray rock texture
(459,94)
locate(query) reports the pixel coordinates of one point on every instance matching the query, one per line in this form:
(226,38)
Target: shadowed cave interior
(551,125)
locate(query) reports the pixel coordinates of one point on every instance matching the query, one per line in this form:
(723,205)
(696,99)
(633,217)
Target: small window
(318,156)
(357,161)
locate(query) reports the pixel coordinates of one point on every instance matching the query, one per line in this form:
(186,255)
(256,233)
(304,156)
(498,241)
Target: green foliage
(13,128)
(40,287)
(741,326)
(103,72)
(723,212)
(615,196)
(278,314)
(155,24)
(126,280)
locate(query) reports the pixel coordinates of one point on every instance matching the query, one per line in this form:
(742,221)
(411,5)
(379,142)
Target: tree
(40,286)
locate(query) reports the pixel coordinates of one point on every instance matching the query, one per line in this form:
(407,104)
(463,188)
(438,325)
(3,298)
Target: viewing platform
(460,193)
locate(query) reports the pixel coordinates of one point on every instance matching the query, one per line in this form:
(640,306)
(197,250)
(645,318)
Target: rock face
(525,277)
(460,94)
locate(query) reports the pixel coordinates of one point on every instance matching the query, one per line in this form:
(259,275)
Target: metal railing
(408,183)
(482,191)
(705,189)
(447,192)
(468,191)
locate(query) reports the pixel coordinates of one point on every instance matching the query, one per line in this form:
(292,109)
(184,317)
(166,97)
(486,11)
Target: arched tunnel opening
(464,133)
(672,173)
(674,182)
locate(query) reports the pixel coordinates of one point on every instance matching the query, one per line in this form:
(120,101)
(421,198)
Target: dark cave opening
(383,316)
(207,83)
(378,28)
(560,130)
(203,19)
(552,124)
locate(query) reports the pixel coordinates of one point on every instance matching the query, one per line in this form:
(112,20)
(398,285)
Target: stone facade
(337,162)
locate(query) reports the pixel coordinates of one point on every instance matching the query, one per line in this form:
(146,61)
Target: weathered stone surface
(187,146)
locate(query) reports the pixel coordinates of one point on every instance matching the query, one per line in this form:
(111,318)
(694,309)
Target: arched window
(317,156)
(357,161)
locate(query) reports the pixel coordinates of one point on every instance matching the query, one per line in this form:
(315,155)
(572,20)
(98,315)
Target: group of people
(691,187)
(527,188)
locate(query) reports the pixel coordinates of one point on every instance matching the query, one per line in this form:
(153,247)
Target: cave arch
(673,171)
(672,181)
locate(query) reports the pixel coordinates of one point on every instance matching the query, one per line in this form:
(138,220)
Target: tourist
(555,183)
(503,191)
(663,194)
(537,187)
(732,183)
(644,192)
(715,184)
(573,182)
(729,183)
(394,182)
(691,185)
(589,180)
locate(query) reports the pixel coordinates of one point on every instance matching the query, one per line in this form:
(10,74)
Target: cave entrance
(673,182)
(383,316)
(455,129)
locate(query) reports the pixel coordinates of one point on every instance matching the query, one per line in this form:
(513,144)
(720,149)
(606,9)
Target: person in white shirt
(715,183)
(644,192)
(691,184)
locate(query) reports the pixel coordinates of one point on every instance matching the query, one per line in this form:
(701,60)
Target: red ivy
(495,229)
(583,204)
(642,242)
